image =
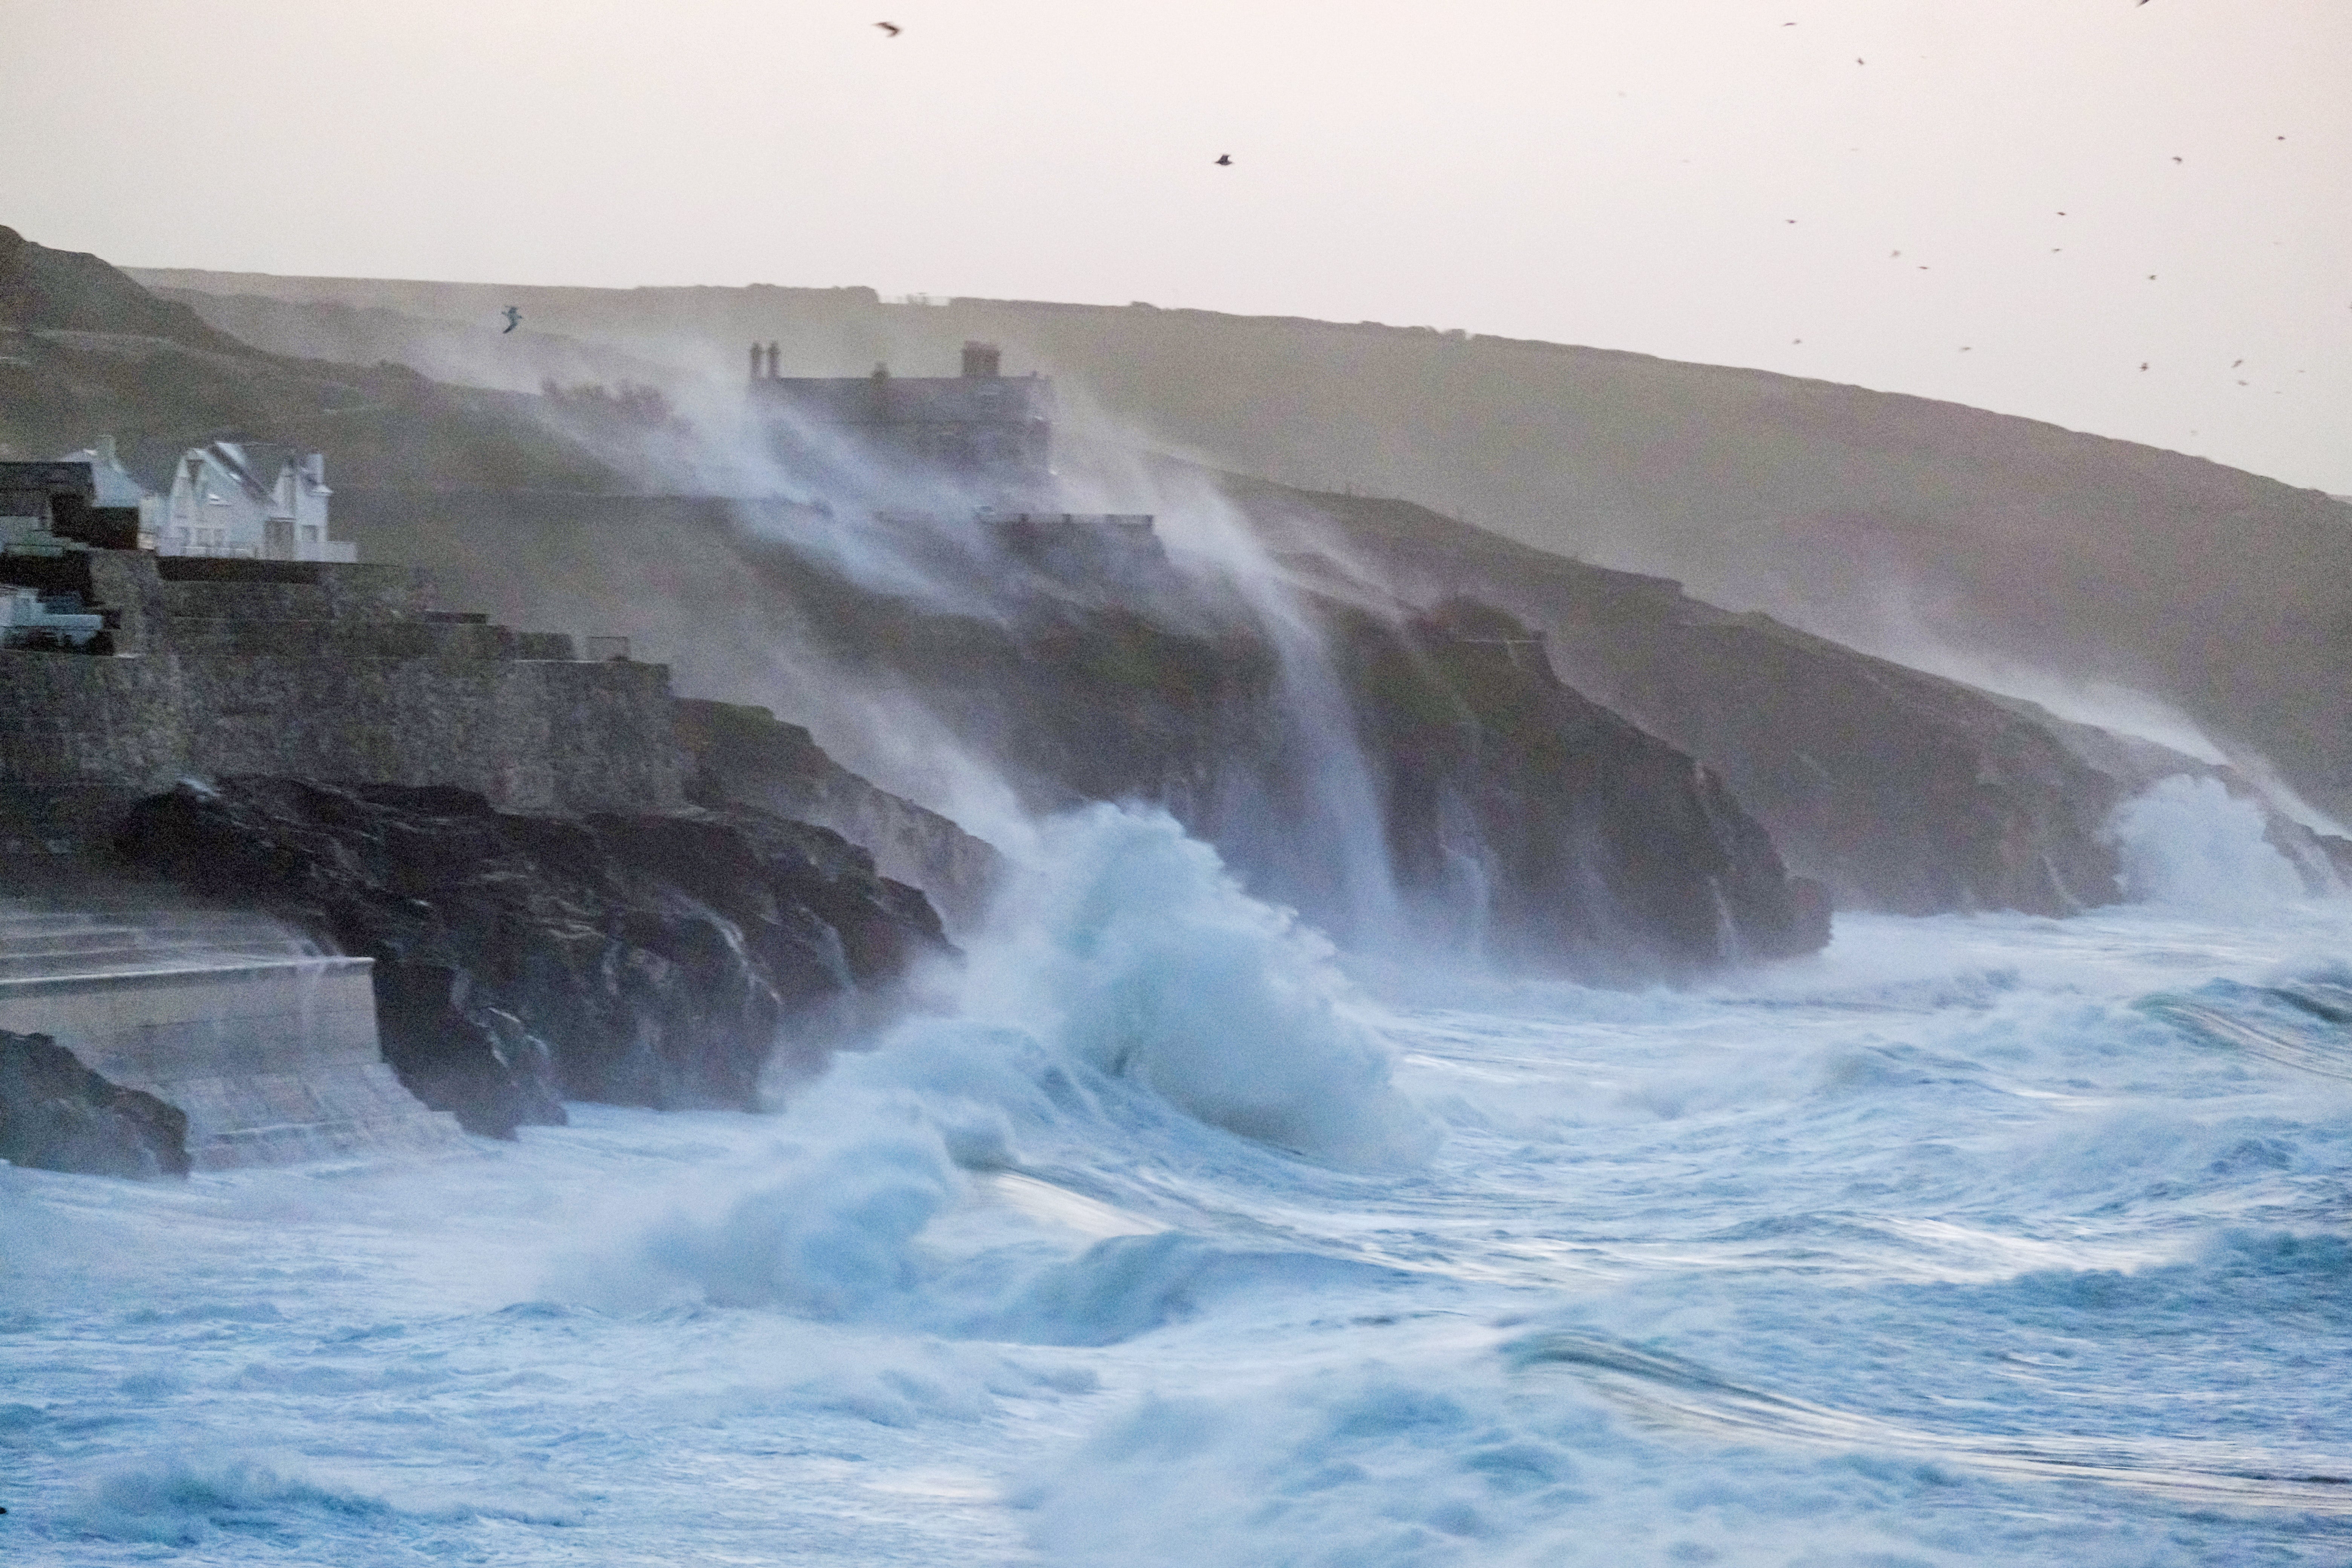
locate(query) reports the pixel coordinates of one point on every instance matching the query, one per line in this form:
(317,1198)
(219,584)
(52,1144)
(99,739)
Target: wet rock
(1900,791)
(744,755)
(1580,841)
(57,1115)
(1517,815)
(665,960)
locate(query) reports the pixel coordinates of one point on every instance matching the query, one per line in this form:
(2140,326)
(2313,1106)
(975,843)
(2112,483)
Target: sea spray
(1126,960)
(2189,844)
(1159,968)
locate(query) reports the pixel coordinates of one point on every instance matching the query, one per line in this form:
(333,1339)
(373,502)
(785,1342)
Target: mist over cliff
(1994,548)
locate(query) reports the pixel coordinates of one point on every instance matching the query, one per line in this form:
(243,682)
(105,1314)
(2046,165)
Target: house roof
(116,485)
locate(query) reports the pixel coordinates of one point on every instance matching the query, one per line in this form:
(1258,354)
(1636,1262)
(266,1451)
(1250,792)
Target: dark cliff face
(1511,811)
(742,755)
(1902,791)
(661,961)
(57,1115)
(1590,840)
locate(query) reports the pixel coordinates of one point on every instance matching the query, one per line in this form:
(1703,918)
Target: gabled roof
(116,485)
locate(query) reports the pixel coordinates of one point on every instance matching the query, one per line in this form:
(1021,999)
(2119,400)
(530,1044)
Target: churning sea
(1168,1236)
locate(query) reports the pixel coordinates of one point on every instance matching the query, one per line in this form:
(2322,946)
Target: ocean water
(1170,1236)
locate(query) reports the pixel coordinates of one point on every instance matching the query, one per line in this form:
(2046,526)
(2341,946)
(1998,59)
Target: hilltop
(84,350)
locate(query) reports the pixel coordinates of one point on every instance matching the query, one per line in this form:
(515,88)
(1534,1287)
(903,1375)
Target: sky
(2013,203)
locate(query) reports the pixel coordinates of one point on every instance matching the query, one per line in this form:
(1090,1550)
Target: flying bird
(2175,160)
(1225,160)
(514,319)
(2142,364)
(889,27)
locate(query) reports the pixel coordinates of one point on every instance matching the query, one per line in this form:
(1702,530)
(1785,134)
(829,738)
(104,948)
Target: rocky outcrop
(1507,809)
(659,960)
(1581,839)
(57,1115)
(1902,791)
(744,755)
(1128,680)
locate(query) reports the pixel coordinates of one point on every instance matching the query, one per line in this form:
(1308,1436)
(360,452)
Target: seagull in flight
(1225,160)
(514,319)
(892,28)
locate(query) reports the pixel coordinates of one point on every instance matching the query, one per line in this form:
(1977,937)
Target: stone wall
(340,673)
(269,1061)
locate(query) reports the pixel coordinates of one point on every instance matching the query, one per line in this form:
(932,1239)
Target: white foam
(2189,844)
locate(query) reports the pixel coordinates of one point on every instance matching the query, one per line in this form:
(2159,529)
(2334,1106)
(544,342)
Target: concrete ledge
(272,1060)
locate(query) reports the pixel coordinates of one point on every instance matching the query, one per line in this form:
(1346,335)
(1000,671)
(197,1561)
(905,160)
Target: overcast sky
(1618,173)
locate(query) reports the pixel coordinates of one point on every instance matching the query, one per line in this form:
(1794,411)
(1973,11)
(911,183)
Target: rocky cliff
(1577,833)
(1902,790)
(1362,763)
(2223,593)
(1077,677)
(744,755)
(660,960)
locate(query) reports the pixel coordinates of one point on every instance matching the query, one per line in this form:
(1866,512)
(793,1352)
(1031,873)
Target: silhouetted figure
(514,319)
(1225,160)
(771,361)
(892,28)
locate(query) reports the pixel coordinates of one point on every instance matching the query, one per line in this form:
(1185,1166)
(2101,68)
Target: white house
(245,499)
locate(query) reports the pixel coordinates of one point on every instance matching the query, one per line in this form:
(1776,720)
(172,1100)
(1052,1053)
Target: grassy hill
(84,351)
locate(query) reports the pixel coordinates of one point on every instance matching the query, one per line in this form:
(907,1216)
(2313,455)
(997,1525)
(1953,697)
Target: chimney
(105,451)
(982,360)
(771,361)
(755,362)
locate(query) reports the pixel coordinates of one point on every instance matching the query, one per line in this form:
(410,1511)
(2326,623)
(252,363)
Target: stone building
(985,435)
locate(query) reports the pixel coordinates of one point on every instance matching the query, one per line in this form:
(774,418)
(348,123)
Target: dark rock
(1900,791)
(661,961)
(1512,811)
(1597,847)
(1120,676)
(743,756)
(57,1115)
